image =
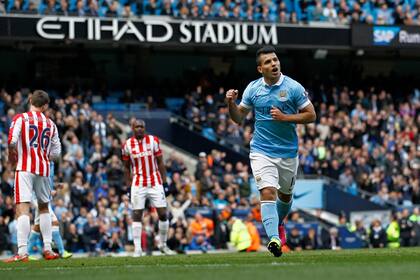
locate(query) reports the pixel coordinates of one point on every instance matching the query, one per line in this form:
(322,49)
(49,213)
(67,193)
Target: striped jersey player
(33,143)
(35,137)
(145,172)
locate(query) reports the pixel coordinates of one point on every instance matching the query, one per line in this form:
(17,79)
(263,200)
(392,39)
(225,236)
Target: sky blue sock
(283,209)
(58,241)
(270,218)
(33,241)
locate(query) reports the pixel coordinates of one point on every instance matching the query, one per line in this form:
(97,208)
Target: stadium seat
(136,107)
(112,99)
(174,104)
(206,212)
(209,134)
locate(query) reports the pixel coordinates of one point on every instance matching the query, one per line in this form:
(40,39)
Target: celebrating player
(33,142)
(143,158)
(279,103)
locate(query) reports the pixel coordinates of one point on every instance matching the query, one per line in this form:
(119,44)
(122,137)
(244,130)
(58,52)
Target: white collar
(279,82)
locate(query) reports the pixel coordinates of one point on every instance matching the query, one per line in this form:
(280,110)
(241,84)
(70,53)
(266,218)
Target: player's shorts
(26,182)
(155,194)
(53,216)
(274,172)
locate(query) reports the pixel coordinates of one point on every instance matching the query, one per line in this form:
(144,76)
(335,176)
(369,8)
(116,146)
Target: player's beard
(274,76)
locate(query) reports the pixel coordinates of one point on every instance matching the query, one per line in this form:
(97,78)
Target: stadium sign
(386,36)
(156,30)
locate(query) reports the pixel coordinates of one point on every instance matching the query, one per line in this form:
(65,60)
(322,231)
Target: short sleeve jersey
(273,138)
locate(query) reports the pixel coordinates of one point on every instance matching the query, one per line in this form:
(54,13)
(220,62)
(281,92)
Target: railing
(215,138)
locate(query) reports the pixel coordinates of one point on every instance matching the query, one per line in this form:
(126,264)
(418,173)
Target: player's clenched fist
(277,114)
(231,95)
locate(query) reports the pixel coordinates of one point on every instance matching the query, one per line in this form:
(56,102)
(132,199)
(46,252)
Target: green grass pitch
(378,264)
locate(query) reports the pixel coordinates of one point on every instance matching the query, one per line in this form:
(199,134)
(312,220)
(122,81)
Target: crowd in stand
(363,139)
(92,204)
(280,11)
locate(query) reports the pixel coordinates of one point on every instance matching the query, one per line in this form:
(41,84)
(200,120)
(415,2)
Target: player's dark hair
(39,98)
(264,50)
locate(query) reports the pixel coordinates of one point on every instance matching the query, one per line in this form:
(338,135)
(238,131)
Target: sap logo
(384,35)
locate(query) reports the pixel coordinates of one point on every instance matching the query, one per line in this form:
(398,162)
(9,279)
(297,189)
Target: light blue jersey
(273,138)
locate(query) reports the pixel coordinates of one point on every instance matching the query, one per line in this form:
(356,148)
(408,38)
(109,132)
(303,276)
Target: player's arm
(160,163)
(55,150)
(162,168)
(305,115)
(12,155)
(127,172)
(127,168)
(14,135)
(237,112)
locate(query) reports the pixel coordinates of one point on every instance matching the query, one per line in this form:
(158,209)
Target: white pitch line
(149,266)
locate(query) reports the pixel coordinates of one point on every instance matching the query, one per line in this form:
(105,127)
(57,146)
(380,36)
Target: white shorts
(274,172)
(155,194)
(53,216)
(26,183)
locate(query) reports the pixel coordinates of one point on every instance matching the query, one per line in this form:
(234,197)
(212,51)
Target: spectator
(346,178)
(283,17)
(63,9)
(151,7)
(415,219)
(317,14)
(177,240)
(294,240)
(199,242)
(4,231)
(92,11)
(332,240)
(377,236)
(2,10)
(239,235)
(90,234)
(206,12)
(111,12)
(253,232)
(406,229)
(177,210)
(184,13)
(114,244)
(384,15)
(294,18)
(51,8)
(202,226)
(16,8)
(127,12)
(399,15)
(330,12)
(310,241)
(361,232)
(393,232)
(80,9)
(73,241)
(167,8)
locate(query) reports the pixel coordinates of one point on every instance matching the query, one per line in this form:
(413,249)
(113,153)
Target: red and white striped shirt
(36,140)
(142,156)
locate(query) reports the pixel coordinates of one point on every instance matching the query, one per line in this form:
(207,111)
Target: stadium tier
(93,205)
(164,100)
